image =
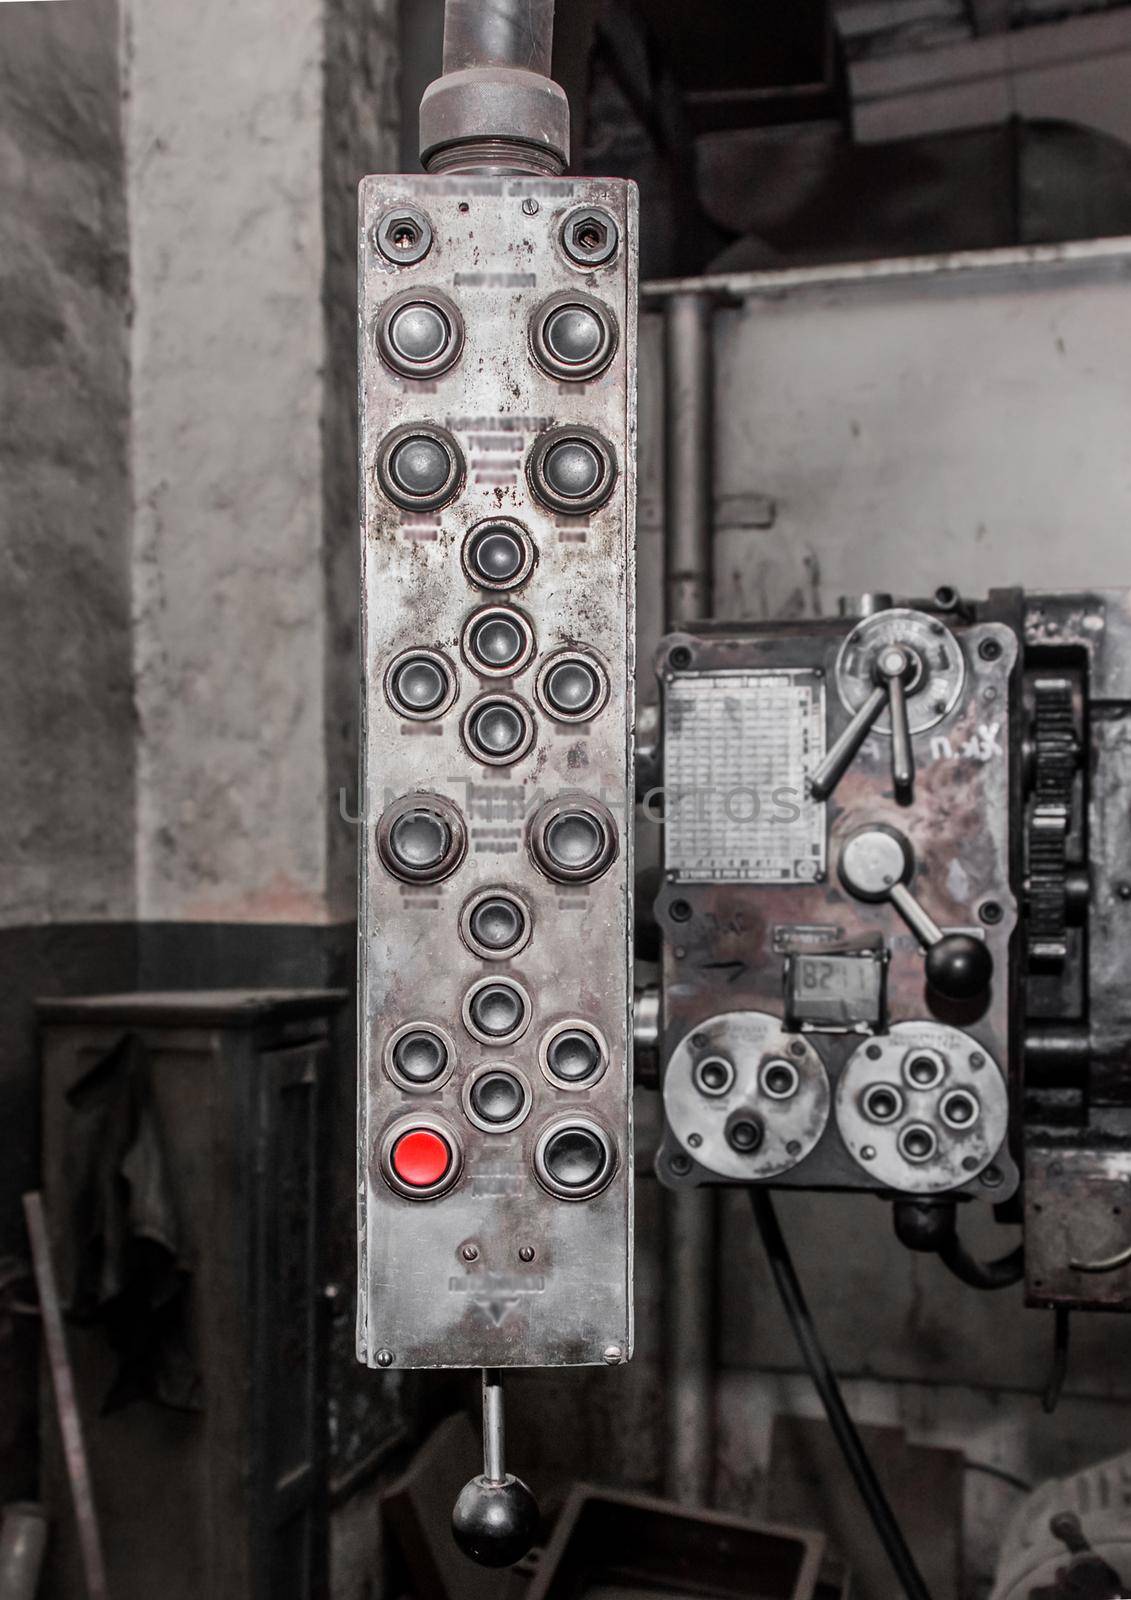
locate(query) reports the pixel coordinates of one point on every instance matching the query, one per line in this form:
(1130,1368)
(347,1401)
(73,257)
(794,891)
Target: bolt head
(530,207)
(469,1253)
(590,237)
(613,1354)
(526,1252)
(384,1358)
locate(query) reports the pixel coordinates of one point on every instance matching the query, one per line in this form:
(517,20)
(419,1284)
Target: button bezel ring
(485,1071)
(579,505)
(438,660)
(499,980)
(564,657)
(434,499)
(437,805)
(554,365)
(420,1122)
(596,1185)
(411,1085)
(573,1025)
(480,897)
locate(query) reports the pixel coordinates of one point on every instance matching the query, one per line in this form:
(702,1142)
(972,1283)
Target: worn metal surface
(496,1271)
(725,943)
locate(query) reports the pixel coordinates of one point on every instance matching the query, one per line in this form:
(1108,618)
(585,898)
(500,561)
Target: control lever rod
(894,669)
(496,1518)
(875,864)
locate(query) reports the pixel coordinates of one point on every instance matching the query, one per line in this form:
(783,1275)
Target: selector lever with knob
(898,672)
(495,1520)
(875,864)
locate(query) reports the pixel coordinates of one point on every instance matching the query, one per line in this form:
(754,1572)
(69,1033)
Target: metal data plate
(496,1270)
(738,750)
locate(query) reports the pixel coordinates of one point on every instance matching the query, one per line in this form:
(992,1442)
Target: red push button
(421,1158)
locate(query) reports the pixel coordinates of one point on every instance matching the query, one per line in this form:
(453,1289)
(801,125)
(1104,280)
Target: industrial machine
(892,901)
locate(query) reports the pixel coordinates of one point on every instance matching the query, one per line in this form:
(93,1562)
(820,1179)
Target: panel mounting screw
(469,1253)
(384,1358)
(989,649)
(613,1354)
(530,206)
(526,1253)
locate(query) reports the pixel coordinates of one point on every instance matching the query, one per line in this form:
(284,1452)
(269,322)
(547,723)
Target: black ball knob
(495,1524)
(959,966)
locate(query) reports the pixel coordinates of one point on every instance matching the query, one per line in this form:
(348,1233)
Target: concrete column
(249,123)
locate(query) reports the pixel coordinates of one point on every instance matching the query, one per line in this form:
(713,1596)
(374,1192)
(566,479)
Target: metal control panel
(497,457)
(841,889)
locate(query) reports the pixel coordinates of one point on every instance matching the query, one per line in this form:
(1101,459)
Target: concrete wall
(67,776)
(224,158)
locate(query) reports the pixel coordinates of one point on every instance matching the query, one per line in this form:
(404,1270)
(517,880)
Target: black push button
(497,923)
(574,1055)
(419,840)
(497,1097)
(574,1158)
(420,1056)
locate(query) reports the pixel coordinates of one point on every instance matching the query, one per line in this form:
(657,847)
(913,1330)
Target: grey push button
(420,1056)
(420,467)
(498,555)
(573,336)
(498,730)
(421,838)
(572,470)
(572,687)
(496,1010)
(420,841)
(497,1097)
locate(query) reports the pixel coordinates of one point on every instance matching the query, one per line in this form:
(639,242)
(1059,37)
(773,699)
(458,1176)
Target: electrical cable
(997,1274)
(990,1471)
(824,1381)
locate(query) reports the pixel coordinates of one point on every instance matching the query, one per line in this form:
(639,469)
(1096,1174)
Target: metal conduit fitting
(495,109)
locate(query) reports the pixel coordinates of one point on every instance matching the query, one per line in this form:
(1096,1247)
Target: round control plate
(709,1114)
(932,693)
(923,1109)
